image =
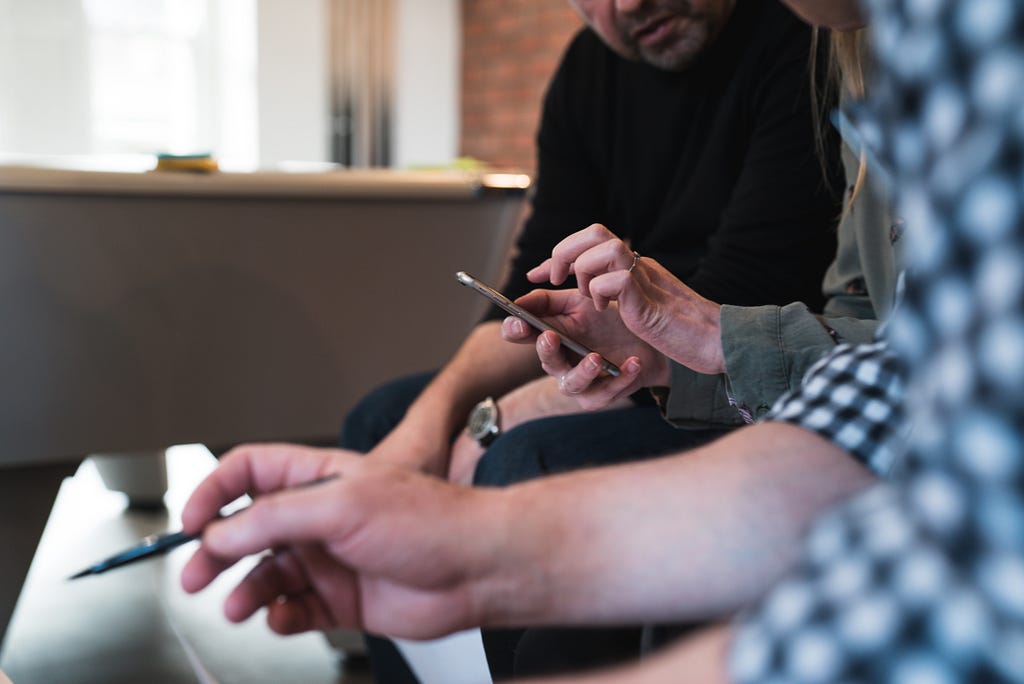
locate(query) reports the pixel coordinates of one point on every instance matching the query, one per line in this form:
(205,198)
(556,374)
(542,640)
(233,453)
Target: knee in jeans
(515,456)
(377,413)
(359,429)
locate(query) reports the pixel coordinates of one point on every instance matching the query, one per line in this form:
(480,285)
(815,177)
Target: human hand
(583,379)
(652,303)
(380,548)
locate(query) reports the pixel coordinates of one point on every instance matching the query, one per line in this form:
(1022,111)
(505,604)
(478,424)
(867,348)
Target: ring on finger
(636,260)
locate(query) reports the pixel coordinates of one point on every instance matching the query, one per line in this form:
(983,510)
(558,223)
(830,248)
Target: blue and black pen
(159,544)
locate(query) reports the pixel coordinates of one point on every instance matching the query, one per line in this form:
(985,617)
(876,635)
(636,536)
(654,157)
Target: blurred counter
(144,310)
(331,184)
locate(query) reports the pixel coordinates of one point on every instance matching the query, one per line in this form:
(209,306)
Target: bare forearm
(684,537)
(484,365)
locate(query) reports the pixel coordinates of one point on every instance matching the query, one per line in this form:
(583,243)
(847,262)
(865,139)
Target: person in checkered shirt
(923,580)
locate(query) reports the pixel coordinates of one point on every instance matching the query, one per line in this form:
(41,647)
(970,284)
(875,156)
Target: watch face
(481,419)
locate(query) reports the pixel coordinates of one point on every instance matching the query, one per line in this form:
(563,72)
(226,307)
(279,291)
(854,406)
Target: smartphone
(519,312)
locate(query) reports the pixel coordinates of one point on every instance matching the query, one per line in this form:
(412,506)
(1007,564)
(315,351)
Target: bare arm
(484,365)
(385,549)
(689,536)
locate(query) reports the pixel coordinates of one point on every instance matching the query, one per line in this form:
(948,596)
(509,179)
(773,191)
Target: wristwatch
(484,422)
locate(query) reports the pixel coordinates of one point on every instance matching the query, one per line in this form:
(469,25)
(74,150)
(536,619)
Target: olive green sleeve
(767,349)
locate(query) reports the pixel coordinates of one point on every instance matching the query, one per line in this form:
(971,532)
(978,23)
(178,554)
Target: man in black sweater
(686,127)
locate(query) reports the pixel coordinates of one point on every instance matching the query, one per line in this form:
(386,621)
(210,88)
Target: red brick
(510,50)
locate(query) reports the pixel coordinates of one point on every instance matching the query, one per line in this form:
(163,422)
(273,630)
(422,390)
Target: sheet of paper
(455,659)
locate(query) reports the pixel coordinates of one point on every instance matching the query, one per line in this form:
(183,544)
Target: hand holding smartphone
(519,312)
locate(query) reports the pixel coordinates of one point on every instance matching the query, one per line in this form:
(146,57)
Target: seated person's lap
(581,440)
(540,447)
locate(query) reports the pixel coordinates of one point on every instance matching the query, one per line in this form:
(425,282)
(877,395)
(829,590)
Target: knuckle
(238,453)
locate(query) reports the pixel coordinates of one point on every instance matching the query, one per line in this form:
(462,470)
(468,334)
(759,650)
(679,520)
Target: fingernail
(632,366)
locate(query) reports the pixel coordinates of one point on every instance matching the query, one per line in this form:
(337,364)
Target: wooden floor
(136,624)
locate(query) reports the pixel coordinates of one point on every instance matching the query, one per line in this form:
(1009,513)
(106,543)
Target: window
(130,77)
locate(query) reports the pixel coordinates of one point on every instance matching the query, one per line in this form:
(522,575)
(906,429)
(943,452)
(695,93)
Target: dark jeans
(536,448)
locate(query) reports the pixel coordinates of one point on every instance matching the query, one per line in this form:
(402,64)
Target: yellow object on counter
(195,163)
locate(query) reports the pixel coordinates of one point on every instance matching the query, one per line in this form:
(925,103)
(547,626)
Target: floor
(135,624)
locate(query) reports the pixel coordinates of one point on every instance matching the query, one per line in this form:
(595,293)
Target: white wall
(426,115)
(294,91)
(292,80)
(44,78)
(45,90)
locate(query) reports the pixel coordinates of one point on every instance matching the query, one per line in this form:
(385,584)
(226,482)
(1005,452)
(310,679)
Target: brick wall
(509,52)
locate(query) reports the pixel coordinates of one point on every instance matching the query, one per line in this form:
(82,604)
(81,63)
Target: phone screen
(518,311)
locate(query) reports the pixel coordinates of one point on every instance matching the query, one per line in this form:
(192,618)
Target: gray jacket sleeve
(768,349)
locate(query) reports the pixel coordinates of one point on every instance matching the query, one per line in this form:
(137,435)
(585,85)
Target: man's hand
(583,380)
(655,305)
(351,552)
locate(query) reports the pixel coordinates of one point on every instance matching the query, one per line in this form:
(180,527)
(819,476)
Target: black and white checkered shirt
(853,397)
(921,580)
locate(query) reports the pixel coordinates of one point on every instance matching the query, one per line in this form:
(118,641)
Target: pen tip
(83,573)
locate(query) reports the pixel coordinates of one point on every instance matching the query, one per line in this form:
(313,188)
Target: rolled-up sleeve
(852,397)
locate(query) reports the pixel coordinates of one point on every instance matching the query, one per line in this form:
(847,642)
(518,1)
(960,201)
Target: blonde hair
(844,76)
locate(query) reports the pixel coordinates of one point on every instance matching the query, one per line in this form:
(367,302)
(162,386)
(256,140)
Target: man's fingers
(540,274)
(310,514)
(275,576)
(612,286)
(565,253)
(606,389)
(552,357)
(201,569)
(517,330)
(626,383)
(253,469)
(545,303)
(607,257)
(285,582)
(581,378)
(297,614)
(611,258)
